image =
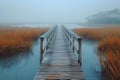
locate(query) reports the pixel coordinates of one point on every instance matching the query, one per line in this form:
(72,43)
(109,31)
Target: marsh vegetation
(15,40)
(108,49)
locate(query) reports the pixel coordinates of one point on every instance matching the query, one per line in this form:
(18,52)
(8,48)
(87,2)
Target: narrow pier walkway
(58,62)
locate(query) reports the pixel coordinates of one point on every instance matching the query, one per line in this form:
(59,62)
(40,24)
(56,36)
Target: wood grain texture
(58,62)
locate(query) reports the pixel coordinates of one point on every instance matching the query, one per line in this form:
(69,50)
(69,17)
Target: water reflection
(22,66)
(15,60)
(90,61)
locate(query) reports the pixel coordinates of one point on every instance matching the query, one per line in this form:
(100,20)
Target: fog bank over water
(105,17)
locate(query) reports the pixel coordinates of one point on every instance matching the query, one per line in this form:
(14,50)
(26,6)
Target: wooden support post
(79,51)
(73,45)
(67,36)
(51,36)
(47,44)
(54,35)
(70,40)
(41,49)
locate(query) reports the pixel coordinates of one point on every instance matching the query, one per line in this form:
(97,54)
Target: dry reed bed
(97,33)
(109,55)
(108,49)
(16,40)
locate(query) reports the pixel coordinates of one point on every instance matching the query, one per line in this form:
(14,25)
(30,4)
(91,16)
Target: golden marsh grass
(108,49)
(16,40)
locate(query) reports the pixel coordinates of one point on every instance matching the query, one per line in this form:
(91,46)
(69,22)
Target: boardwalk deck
(59,62)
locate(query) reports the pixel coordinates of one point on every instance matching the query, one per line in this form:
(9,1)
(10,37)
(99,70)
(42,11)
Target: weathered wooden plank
(58,62)
(60,68)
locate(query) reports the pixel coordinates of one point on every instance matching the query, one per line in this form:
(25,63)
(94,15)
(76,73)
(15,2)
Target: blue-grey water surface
(90,61)
(21,67)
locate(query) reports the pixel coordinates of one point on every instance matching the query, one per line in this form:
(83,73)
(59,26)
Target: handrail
(71,36)
(48,37)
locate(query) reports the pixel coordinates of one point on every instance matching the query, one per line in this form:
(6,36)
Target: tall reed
(108,49)
(16,40)
(109,55)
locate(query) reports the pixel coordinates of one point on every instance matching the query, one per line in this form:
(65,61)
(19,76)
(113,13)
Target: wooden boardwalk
(58,62)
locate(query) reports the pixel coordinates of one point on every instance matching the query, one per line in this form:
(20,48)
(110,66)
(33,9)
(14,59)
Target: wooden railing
(47,39)
(71,37)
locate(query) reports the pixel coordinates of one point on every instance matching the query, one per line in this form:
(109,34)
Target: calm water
(24,66)
(21,67)
(90,61)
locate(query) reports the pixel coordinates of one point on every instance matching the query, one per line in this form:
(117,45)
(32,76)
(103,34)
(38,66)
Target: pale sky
(52,11)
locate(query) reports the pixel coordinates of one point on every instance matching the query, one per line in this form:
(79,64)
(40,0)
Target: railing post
(79,51)
(73,45)
(47,45)
(70,40)
(41,49)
